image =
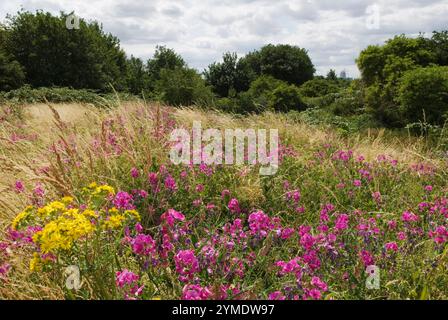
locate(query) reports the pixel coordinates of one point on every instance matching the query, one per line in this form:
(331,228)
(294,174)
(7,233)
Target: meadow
(94,188)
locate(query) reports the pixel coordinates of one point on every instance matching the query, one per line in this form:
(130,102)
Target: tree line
(401,81)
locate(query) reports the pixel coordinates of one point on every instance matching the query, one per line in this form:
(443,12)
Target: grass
(62,148)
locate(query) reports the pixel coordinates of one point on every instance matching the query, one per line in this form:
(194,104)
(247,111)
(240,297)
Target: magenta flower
(259,224)
(234,206)
(123,200)
(342,222)
(391,246)
(195,292)
(357,183)
(170,183)
(186,264)
(19,187)
(143,245)
(171,216)
(318,283)
(134,173)
(128,281)
(276,295)
(367,258)
(409,217)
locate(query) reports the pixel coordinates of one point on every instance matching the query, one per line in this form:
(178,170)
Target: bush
(284,62)
(318,87)
(423,95)
(53,55)
(182,86)
(285,98)
(26,94)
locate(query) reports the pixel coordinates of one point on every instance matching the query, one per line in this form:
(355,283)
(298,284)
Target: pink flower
(357,183)
(200,188)
(134,173)
(314,294)
(318,283)
(195,292)
(409,217)
(342,222)
(259,223)
(171,216)
(276,295)
(225,193)
(128,281)
(428,188)
(143,245)
(439,235)
(19,187)
(123,200)
(367,258)
(234,206)
(186,264)
(170,183)
(401,236)
(391,246)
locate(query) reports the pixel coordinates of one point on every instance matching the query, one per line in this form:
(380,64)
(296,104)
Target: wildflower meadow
(92,207)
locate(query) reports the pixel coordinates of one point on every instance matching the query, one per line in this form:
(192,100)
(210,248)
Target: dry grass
(23,158)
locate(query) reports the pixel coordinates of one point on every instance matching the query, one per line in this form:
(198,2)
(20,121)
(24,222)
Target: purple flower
(123,200)
(234,206)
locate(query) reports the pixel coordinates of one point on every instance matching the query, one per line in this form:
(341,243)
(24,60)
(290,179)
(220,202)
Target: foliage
(284,62)
(423,95)
(227,76)
(182,86)
(318,87)
(53,55)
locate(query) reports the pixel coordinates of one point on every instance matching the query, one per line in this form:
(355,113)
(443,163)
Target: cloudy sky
(333,31)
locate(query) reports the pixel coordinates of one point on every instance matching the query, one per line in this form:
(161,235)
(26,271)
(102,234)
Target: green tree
(182,86)
(137,77)
(284,62)
(228,76)
(285,98)
(423,95)
(163,58)
(12,75)
(331,75)
(382,68)
(53,55)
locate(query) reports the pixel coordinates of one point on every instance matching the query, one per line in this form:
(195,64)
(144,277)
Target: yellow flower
(133,213)
(104,189)
(35,263)
(60,234)
(51,208)
(90,213)
(20,217)
(67,200)
(113,222)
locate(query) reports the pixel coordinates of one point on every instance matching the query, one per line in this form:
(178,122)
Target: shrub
(182,86)
(423,95)
(285,98)
(318,87)
(284,62)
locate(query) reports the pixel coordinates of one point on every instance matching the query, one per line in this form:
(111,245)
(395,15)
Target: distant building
(343,74)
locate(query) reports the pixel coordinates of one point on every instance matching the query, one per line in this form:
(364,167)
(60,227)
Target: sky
(333,31)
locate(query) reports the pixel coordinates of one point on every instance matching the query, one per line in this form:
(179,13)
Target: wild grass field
(94,188)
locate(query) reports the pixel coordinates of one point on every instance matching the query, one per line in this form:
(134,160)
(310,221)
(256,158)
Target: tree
(439,43)
(284,62)
(318,87)
(227,76)
(137,77)
(423,95)
(331,75)
(11,72)
(182,86)
(285,98)
(53,55)
(163,58)
(382,68)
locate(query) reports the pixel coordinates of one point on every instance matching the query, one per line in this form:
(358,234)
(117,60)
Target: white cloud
(334,32)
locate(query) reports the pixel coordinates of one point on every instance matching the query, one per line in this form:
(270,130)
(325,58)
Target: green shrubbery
(423,94)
